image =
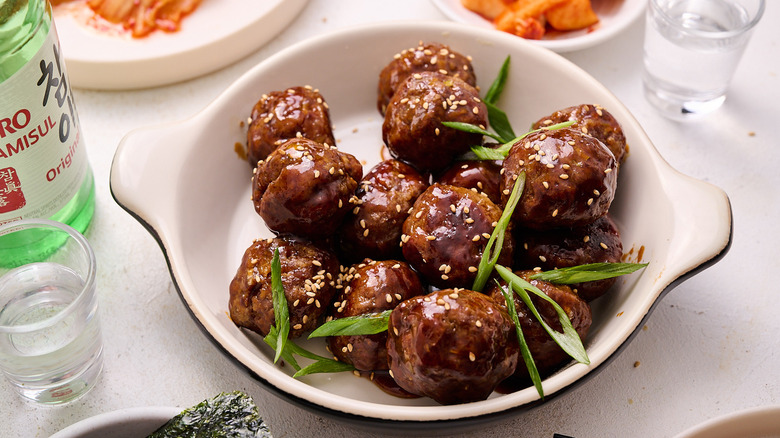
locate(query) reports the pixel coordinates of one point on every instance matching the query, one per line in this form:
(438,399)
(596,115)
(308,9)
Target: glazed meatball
(446,233)
(452,346)
(304,187)
(305,269)
(370,287)
(381,204)
(478,175)
(570,179)
(592,120)
(425,57)
(597,242)
(281,115)
(547,354)
(413,130)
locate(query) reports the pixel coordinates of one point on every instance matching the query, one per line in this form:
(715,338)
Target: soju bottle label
(42,156)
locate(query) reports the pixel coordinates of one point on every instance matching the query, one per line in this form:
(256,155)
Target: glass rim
(89,280)
(654,4)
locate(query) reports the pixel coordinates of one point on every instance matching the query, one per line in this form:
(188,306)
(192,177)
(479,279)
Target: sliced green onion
(497,87)
(496,241)
(569,340)
(500,123)
(281,313)
(272,340)
(367,324)
(533,372)
(324,365)
(588,272)
(499,153)
(472,129)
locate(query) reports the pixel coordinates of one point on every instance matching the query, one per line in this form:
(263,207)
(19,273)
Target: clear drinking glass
(50,343)
(691,50)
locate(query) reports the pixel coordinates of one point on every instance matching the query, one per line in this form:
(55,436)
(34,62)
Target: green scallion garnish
(366,324)
(533,372)
(496,241)
(281,312)
(569,340)
(588,272)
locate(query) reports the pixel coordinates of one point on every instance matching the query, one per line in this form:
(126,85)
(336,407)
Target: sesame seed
(486,235)
(607,170)
(469,220)
(453,208)
(475,110)
(430,237)
(473,269)
(316,263)
(546,184)
(295,304)
(478,323)
(297,326)
(563,176)
(398,296)
(603,245)
(398,208)
(440,302)
(332,170)
(586,239)
(362,223)
(365,232)
(506,191)
(596,192)
(542,258)
(590,201)
(472,357)
(555,213)
(475,238)
(396,266)
(388,298)
(395,330)
(445,277)
(466,210)
(419,213)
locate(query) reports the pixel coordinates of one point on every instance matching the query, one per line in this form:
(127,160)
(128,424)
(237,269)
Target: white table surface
(710,348)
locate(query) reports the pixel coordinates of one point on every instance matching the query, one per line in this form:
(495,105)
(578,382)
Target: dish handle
(142,179)
(702,227)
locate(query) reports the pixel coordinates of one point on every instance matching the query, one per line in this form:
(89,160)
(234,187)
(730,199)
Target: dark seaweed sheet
(228,415)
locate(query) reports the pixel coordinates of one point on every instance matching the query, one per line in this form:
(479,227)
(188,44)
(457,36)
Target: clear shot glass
(691,50)
(51,349)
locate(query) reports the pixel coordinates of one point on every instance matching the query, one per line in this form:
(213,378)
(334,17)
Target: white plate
(123,423)
(614,16)
(216,34)
(758,422)
(185,183)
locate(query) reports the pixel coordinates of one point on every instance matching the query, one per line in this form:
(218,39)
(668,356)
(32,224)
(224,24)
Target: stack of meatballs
(409,234)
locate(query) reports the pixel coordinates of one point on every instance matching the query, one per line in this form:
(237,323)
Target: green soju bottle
(44,170)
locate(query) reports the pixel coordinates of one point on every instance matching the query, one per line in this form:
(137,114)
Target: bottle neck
(24,25)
